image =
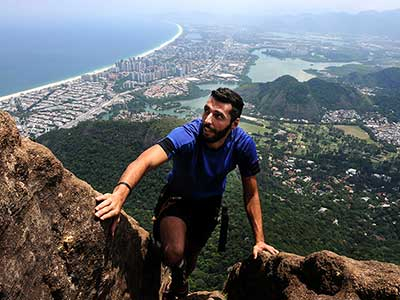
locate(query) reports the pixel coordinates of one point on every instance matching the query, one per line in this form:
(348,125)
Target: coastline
(97,71)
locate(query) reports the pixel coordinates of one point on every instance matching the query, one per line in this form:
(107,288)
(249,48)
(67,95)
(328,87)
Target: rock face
(319,276)
(51,246)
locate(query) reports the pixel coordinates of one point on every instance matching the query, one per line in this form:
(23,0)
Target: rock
(51,246)
(320,276)
(215,295)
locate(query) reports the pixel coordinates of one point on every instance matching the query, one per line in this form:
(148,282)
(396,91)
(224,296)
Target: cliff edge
(51,246)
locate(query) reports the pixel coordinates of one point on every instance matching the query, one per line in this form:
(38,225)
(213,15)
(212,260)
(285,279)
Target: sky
(22,8)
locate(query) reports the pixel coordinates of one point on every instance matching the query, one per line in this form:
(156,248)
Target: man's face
(216,120)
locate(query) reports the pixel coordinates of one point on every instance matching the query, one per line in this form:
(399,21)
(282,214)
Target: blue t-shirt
(199,171)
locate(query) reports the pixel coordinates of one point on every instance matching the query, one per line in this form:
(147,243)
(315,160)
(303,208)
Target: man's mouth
(208,129)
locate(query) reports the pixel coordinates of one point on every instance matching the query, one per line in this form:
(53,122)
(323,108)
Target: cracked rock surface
(320,276)
(51,246)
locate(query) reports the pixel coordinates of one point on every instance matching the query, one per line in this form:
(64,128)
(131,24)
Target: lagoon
(268,68)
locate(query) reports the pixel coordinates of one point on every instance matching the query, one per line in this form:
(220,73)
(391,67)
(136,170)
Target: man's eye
(219,116)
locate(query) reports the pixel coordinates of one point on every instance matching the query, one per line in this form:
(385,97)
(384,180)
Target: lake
(268,68)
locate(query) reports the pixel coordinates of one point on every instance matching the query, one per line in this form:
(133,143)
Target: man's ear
(235,123)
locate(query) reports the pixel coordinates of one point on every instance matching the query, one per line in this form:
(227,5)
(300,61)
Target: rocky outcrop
(319,276)
(51,246)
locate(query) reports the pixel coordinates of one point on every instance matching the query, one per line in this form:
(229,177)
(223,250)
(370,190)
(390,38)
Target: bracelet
(126,184)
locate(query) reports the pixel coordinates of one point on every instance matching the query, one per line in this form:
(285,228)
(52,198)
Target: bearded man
(203,151)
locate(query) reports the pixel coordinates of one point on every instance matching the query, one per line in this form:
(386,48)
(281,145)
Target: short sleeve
(248,159)
(180,138)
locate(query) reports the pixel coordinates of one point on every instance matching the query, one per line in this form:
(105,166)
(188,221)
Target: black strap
(223,233)
(126,184)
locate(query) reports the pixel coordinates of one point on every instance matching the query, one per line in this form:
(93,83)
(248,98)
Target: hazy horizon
(93,8)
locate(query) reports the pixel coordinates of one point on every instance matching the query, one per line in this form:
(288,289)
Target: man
(203,152)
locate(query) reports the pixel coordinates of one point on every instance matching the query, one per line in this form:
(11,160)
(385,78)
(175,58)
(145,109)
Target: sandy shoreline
(71,79)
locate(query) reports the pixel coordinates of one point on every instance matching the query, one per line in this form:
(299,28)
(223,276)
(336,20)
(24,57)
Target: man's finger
(255,252)
(103,211)
(272,250)
(102,197)
(110,214)
(103,204)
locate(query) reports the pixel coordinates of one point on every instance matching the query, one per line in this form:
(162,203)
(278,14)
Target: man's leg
(173,239)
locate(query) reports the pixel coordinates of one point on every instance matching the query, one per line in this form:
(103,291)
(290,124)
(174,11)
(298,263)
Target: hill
(385,85)
(388,78)
(286,97)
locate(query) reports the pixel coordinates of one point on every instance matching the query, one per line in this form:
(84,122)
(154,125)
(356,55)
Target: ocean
(38,52)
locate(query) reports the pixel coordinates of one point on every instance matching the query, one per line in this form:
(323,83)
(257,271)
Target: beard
(218,134)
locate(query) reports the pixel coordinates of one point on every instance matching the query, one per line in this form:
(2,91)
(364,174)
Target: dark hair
(226,95)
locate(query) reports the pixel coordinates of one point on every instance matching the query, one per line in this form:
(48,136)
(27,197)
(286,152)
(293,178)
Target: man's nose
(208,118)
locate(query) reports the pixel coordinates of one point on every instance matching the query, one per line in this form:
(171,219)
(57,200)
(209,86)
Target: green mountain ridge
(388,78)
(286,97)
(386,89)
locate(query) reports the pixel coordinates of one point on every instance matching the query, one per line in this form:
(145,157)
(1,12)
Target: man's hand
(261,246)
(109,207)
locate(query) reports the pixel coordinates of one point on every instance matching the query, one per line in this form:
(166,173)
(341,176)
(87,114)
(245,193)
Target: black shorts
(200,216)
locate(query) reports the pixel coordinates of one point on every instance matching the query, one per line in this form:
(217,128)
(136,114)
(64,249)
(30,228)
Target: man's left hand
(261,246)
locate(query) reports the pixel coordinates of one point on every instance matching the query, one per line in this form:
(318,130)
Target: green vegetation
(252,128)
(355,131)
(341,71)
(351,68)
(386,88)
(311,201)
(194,92)
(340,54)
(118,85)
(387,78)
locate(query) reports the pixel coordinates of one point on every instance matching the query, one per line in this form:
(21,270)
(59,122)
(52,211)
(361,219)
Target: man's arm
(111,204)
(253,210)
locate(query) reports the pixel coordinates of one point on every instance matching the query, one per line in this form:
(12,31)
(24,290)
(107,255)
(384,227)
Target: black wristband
(126,184)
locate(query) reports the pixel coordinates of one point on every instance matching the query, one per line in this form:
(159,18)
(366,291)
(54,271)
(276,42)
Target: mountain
(384,23)
(388,78)
(386,86)
(288,98)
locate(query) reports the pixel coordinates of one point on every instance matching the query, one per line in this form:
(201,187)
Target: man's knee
(173,255)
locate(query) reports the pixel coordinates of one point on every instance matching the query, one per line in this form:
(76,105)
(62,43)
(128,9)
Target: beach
(97,71)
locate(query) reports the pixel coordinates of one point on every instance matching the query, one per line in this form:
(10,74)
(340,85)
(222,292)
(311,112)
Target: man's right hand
(110,206)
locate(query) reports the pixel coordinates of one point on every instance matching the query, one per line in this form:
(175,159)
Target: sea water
(37,52)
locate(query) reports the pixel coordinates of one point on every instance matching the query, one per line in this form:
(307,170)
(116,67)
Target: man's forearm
(253,209)
(132,175)
(149,159)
